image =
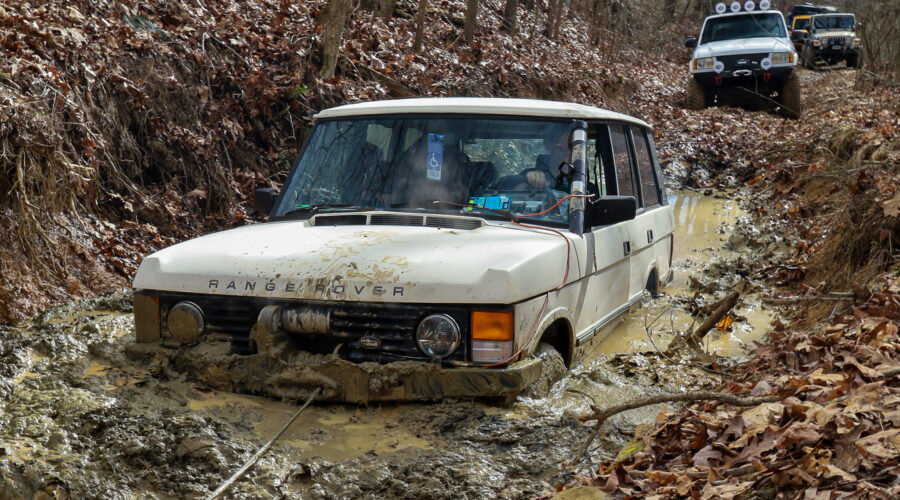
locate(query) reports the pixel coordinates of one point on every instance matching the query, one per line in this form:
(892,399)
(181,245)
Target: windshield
(744,26)
(801,24)
(833,22)
(411,163)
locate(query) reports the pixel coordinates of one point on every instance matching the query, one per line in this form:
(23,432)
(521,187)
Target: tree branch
(602,415)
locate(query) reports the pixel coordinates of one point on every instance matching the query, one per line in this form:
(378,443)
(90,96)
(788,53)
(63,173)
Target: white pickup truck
(744,55)
(420,249)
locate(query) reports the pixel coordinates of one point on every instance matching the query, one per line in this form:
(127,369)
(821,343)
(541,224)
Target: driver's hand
(537,179)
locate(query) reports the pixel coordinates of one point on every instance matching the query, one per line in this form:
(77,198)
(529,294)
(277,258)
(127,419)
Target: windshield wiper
(313,209)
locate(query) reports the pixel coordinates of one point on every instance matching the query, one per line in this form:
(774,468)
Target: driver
(545,173)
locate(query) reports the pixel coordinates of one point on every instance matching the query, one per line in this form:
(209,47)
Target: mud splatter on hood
(490,264)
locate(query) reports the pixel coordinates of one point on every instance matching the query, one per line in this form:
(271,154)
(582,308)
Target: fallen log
(603,415)
(713,319)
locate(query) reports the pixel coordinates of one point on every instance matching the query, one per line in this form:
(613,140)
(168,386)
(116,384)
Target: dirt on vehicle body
(424,249)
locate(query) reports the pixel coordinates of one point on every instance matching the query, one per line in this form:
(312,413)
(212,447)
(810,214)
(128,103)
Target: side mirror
(690,43)
(610,210)
(797,35)
(264,199)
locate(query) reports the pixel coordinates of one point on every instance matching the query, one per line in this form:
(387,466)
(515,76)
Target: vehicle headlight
(185,322)
(703,63)
(438,335)
(782,57)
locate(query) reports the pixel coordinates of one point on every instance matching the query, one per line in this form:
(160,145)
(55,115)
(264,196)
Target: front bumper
(744,77)
(282,369)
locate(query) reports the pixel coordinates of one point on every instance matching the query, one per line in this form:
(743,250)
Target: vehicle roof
(744,13)
(478,105)
(833,14)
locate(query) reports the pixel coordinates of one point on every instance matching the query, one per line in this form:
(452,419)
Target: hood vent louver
(383,219)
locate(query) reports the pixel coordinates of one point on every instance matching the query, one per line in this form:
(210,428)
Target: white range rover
(420,249)
(744,55)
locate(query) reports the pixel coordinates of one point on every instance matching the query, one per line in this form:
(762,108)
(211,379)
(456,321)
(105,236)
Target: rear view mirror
(610,210)
(690,42)
(264,199)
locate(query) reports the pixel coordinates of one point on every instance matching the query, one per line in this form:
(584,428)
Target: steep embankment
(127,126)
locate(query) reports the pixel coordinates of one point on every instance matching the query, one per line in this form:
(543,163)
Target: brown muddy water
(78,418)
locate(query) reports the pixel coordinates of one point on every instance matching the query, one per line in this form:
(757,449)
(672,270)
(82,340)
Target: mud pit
(78,417)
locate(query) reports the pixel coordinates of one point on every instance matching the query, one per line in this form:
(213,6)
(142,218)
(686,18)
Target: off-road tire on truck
(809,57)
(854,60)
(696,96)
(553,368)
(789,97)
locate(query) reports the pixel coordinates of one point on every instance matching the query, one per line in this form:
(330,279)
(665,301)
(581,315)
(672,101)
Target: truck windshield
(833,22)
(717,29)
(458,164)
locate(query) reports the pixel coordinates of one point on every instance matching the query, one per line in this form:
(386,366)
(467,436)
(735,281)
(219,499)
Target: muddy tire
(553,368)
(789,98)
(696,96)
(809,57)
(854,60)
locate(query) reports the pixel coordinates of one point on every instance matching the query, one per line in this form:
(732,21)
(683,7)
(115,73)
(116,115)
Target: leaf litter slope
(823,192)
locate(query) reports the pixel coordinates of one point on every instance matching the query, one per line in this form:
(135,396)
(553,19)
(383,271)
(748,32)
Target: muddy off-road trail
(82,415)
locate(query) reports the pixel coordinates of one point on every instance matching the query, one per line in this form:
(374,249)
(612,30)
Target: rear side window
(649,187)
(622,159)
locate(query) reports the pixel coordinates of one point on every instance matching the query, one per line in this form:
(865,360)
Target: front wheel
(789,97)
(809,57)
(696,95)
(553,368)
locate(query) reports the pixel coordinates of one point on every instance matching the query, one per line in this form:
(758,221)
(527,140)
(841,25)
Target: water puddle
(703,225)
(331,433)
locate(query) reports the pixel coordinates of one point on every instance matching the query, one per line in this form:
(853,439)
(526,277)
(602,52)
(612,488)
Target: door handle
(627,247)
(649,236)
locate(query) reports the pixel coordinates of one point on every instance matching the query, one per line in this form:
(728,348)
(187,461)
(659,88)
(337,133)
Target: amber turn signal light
(491,325)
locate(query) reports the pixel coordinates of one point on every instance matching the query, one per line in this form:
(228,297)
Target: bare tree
(336,15)
(420,27)
(471,15)
(509,15)
(554,16)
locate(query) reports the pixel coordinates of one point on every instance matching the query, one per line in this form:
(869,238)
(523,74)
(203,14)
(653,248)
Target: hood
(757,45)
(493,264)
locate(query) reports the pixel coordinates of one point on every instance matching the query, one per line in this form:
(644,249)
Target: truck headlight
(185,322)
(492,336)
(438,335)
(782,57)
(703,63)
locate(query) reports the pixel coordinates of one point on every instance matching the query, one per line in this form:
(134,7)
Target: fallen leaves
(833,433)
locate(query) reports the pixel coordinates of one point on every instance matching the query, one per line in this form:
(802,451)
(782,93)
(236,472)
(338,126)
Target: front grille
(393,324)
(741,61)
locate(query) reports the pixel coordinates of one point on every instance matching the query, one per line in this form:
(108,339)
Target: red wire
(561,284)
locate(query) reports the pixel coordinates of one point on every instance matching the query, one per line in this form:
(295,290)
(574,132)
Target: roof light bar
(748,6)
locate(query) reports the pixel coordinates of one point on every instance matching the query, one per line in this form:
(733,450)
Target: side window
(595,165)
(622,159)
(649,187)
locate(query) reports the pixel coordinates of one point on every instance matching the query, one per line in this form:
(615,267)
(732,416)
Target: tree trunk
(528,4)
(420,27)
(509,15)
(336,14)
(386,8)
(471,15)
